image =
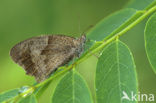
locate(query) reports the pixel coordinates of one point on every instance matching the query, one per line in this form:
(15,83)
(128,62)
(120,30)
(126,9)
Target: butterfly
(42,55)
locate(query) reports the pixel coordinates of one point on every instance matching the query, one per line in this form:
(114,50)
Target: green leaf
(115,74)
(141,4)
(72,89)
(28,99)
(112,24)
(150,41)
(8,95)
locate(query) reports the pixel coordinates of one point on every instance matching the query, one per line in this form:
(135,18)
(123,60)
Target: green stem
(105,42)
(90,53)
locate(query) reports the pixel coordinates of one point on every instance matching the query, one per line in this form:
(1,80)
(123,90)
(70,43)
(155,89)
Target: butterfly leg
(61,68)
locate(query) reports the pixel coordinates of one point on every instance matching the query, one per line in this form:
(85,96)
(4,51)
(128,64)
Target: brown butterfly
(42,55)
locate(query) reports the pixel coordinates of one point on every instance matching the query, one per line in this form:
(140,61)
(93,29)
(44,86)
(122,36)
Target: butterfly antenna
(79,28)
(87,29)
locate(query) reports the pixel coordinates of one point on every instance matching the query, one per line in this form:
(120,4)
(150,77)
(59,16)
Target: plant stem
(101,46)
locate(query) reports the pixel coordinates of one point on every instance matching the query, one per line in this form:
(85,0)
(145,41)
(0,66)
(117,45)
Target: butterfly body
(42,55)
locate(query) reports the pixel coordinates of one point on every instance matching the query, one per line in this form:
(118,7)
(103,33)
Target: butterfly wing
(40,56)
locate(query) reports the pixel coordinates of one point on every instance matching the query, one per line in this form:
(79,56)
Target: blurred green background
(22,19)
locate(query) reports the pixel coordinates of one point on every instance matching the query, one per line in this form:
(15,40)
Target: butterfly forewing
(40,56)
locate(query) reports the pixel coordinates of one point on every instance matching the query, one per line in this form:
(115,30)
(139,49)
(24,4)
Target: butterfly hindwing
(40,56)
